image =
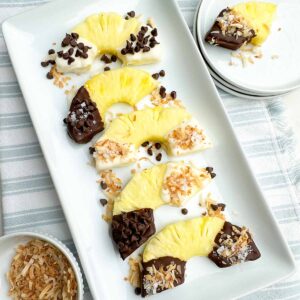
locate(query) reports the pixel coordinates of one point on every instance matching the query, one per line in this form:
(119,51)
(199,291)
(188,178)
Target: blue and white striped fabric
(29,200)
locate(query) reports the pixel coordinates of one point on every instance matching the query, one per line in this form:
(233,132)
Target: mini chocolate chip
(157,145)
(173,95)
(184,211)
(162,73)
(71,51)
(158,157)
(80,46)
(126,18)
(78,53)
(70,60)
(132,37)
(103,185)
(209,169)
(213,175)
(114,58)
(44,64)
(51,51)
(105,59)
(49,75)
(152,45)
(145,144)
(92,150)
(75,35)
(146,49)
(85,49)
(106,68)
(137,48)
(162,91)
(155,76)
(137,290)
(66,55)
(103,202)
(131,14)
(60,53)
(66,41)
(123,51)
(84,55)
(154,32)
(65,120)
(149,151)
(51,61)
(144,29)
(145,40)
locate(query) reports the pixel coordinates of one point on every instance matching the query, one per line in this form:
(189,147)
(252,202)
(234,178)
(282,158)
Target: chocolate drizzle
(224,255)
(216,37)
(173,269)
(83,120)
(130,230)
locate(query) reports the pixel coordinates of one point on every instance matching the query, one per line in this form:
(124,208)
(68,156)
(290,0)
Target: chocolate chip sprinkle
(92,150)
(103,202)
(173,94)
(157,146)
(106,69)
(44,64)
(103,185)
(145,144)
(49,75)
(131,14)
(51,51)
(158,157)
(162,73)
(155,76)
(213,175)
(105,59)
(219,205)
(184,211)
(149,151)
(154,32)
(137,290)
(113,58)
(162,92)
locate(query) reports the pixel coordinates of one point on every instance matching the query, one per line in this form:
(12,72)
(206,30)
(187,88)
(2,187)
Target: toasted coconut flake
(40,271)
(157,100)
(210,204)
(135,269)
(59,79)
(112,182)
(107,217)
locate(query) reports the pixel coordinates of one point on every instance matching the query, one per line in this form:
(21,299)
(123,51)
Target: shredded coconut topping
(212,208)
(41,271)
(135,269)
(235,247)
(161,279)
(186,137)
(181,183)
(108,150)
(235,25)
(110,183)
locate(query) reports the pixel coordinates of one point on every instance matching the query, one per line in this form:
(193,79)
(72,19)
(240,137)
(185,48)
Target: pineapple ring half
(130,40)
(90,104)
(172,126)
(165,254)
(171,183)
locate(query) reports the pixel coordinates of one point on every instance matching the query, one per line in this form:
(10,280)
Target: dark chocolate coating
(226,41)
(83,120)
(224,262)
(165,262)
(130,230)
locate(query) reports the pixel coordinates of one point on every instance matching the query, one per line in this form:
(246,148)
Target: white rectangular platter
(28,37)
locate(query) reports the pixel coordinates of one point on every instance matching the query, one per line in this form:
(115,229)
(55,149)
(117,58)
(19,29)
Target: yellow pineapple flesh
(124,85)
(108,31)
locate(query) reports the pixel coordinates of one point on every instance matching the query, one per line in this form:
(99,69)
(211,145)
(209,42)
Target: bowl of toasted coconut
(38,266)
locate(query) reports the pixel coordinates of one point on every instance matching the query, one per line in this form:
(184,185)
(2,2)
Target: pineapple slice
(108,31)
(151,187)
(184,239)
(259,16)
(124,85)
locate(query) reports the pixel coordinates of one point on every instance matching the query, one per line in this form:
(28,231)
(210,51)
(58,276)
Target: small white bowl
(8,246)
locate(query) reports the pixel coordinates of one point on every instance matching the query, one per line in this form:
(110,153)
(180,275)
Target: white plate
(8,246)
(266,74)
(75,180)
(224,85)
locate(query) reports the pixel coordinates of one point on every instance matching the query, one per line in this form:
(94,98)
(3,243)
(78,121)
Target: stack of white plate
(264,72)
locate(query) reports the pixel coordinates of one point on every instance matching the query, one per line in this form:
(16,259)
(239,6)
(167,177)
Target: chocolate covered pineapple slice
(166,253)
(120,142)
(99,93)
(241,24)
(166,184)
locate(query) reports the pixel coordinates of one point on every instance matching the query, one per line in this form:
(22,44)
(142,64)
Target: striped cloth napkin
(29,200)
